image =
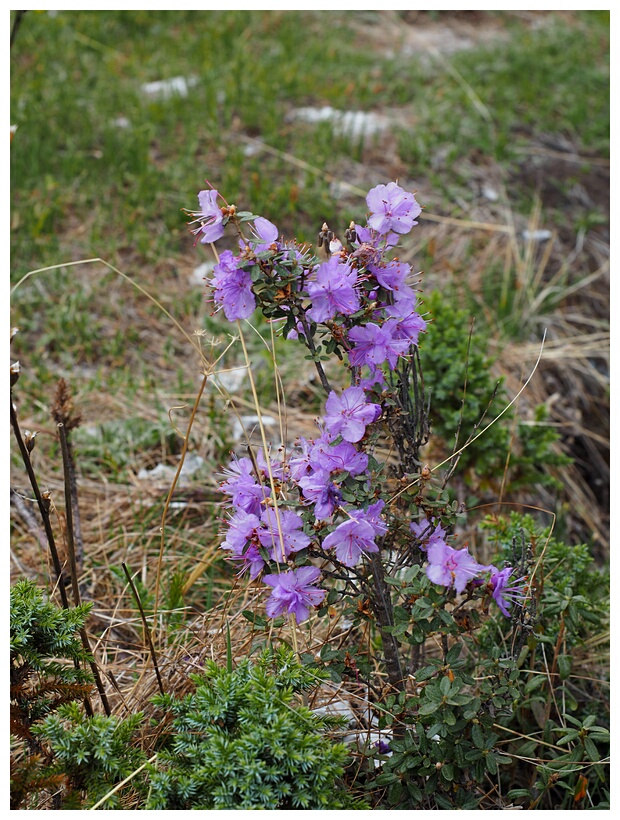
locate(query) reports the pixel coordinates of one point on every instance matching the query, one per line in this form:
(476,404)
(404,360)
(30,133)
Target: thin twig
(147,631)
(43,507)
(62,431)
(123,782)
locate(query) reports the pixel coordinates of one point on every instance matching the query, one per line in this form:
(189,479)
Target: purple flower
(294,592)
(373,345)
(242,528)
(297,331)
(351,539)
(348,415)
(264,233)
(383,747)
(369,237)
(333,292)
(343,457)
(392,209)
(209,216)
(232,288)
(503,594)
(299,464)
(278,468)
(409,326)
(319,488)
(450,567)
(374,381)
(427,533)
(372,516)
(293,537)
(391,276)
(246,493)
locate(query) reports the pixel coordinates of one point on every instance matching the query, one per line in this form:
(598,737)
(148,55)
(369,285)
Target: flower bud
(15,371)
(29,440)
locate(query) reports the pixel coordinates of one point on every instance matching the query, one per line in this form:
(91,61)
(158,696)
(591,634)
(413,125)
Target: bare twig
(147,631)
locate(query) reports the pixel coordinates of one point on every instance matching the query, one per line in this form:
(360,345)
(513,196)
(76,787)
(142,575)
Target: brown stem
(72,563)
(312,348)
(382,605)
(43,507)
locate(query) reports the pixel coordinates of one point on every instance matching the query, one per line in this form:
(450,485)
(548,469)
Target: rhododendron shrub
(328,521)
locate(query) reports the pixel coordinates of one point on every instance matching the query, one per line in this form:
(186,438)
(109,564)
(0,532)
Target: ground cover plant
(465,656)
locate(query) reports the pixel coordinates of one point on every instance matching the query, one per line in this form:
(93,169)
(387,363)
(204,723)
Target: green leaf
(591,750)
(534,683)
(386,779)
(564,666)
(477,735)
(425,673)
(253,618)
(447,772)
(491,763)
(573,734)
(453,653)
(428,708)
(514,793)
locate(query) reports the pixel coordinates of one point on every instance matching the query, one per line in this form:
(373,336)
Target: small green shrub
(43,638)
(241,742)
(95,754)
(466,397)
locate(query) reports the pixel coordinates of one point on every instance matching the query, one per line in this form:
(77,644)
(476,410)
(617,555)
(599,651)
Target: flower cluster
(322,501)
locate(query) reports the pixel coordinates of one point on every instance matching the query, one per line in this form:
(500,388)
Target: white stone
(198,275)
(536,236)
(164,473)
(229,380)
(350,123)
(164,89)
(246,425)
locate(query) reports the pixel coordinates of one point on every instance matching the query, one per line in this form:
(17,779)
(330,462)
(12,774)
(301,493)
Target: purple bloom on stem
(372,516)
(375,380)
(232,288)
(373,345)
(294,593)
(504,595)
(343,457)
(293,537)
(351,539)
(391,276)
(409,324)
(450,567)
(264,233)
(246,493)
(348,415)
(427,533)
(209,216)
(383,747)
(299,465)
(392,209)
(333,292)
(372,238)
(319,488)
(241,529)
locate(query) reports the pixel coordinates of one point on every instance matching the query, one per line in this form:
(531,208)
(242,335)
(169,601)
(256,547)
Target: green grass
(76,73)
(554,81)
